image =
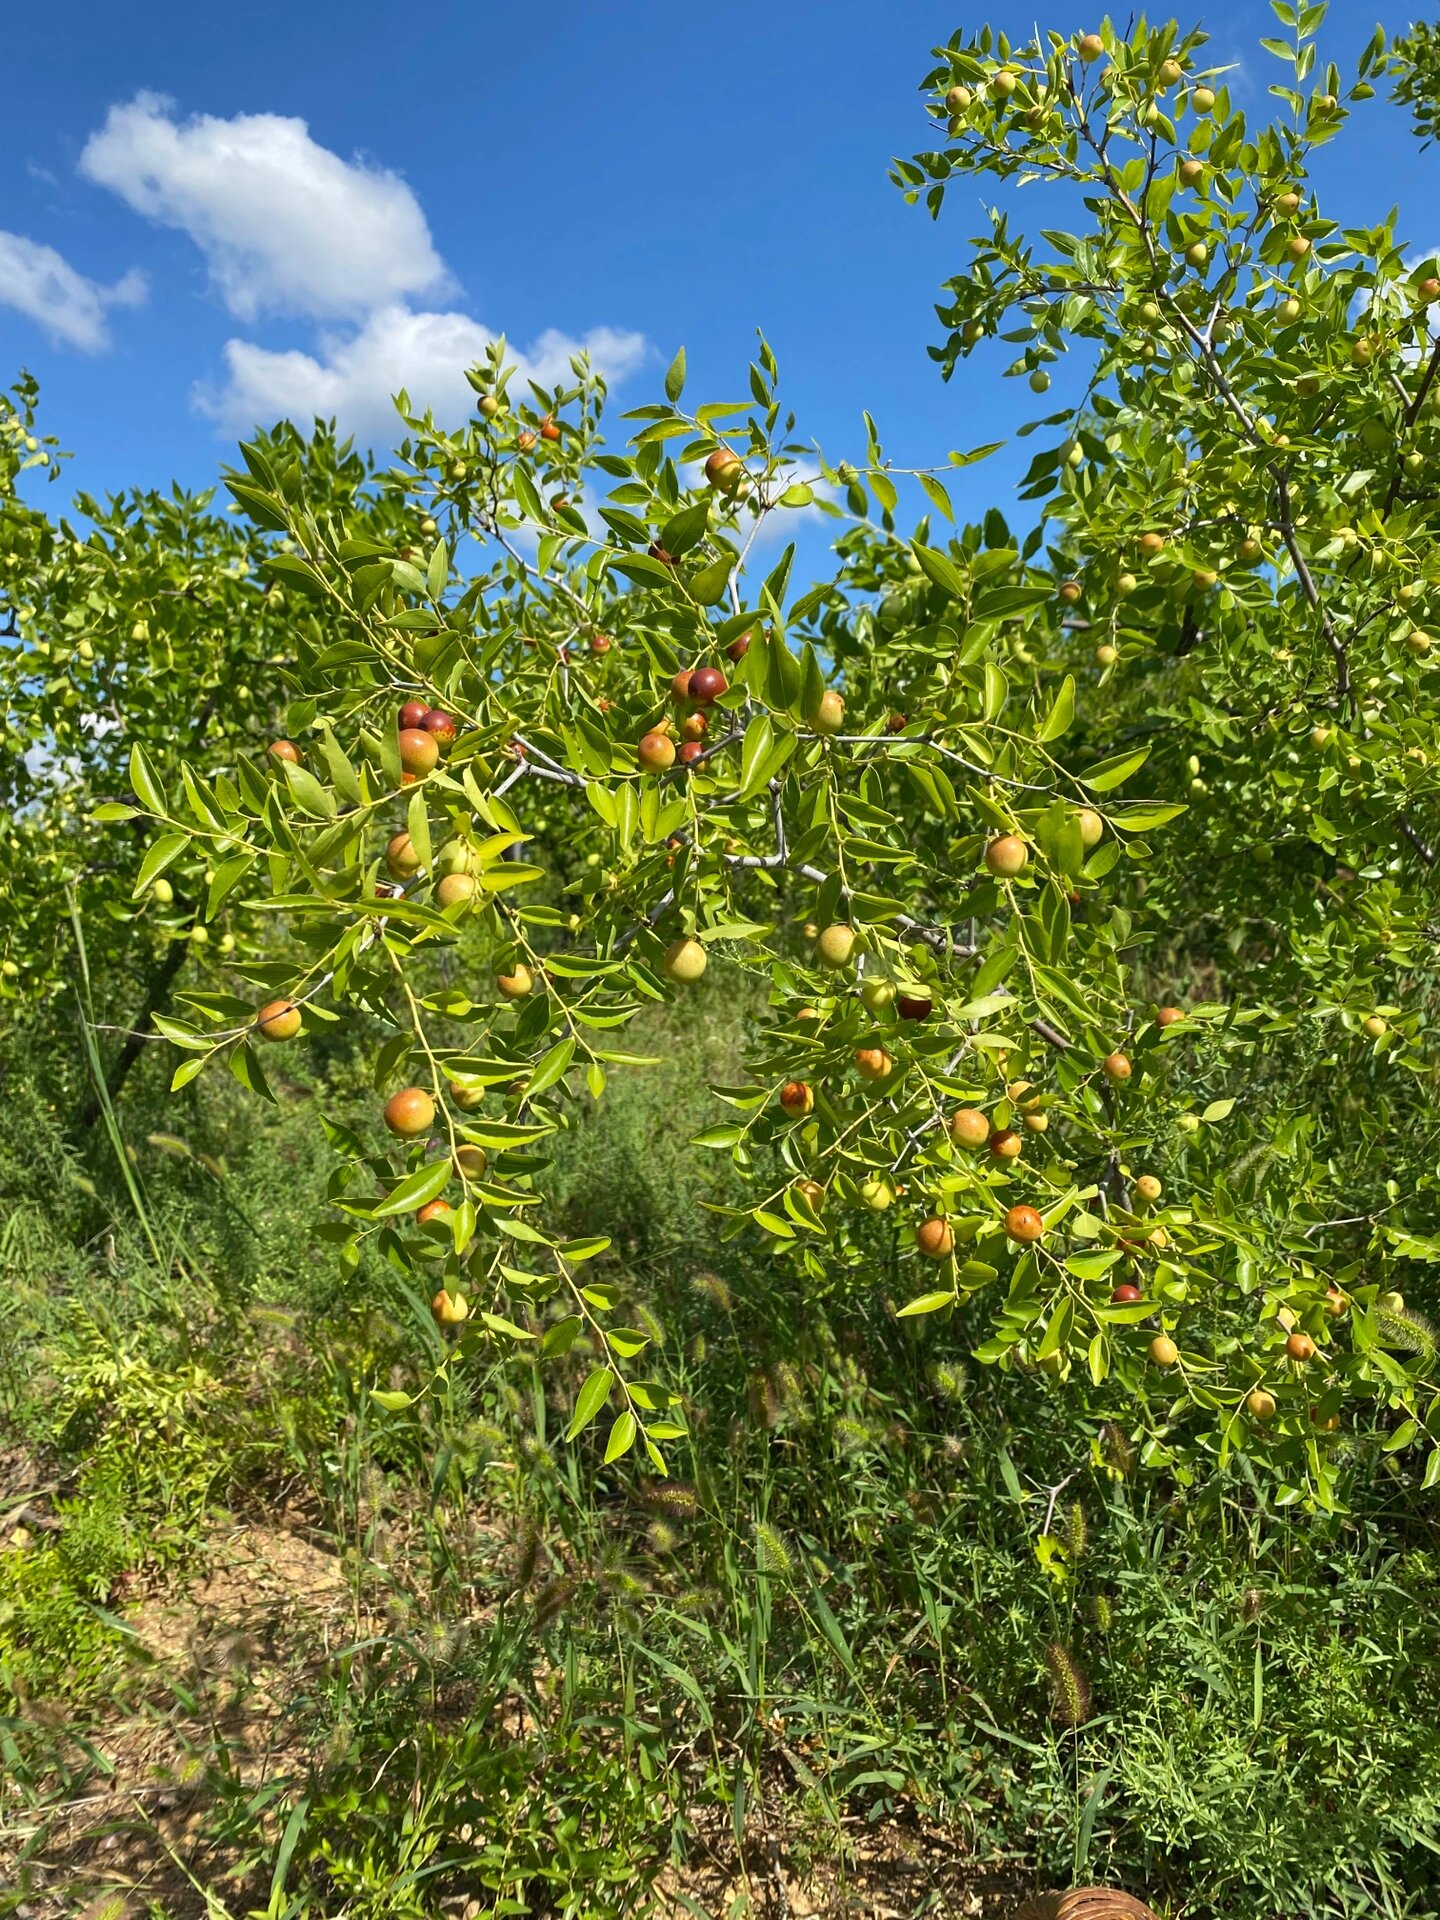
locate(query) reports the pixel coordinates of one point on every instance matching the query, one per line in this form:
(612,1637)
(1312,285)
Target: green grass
(542,1680)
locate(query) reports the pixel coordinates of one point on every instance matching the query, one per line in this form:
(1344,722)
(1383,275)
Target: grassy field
(900,1634)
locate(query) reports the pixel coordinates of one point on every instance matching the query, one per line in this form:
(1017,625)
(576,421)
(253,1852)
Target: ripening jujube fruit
(797,1098)
(935,1238)
(706,685)
(1006,856)
(455,889)
(1163,1350)
(969,1127)
(828,714)
(813,1193)
(1127,1294)
(515,984)
(411,715)
(724,469)
(1167,1016)
(1117,1067)
(450,1309)
(835,946)
(1300,1347)
(914,1006)
(1092,827)
(1147,1188)
(1261,1404)
(1024,1225)
(419,751)
(284,750)
(1006,1144)
(470,1161)
(467,1093)
(402,861)
(410,1112)
(1089,47)
(279,1020)
(439,725)
(685,961)
(873,1063)
(656,752)
(434,1210)
(549,428)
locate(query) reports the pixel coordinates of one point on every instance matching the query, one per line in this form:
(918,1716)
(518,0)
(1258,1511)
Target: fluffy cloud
(42,283)
(285,225)
(355,378)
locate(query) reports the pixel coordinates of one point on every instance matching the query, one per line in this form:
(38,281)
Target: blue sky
(635,173)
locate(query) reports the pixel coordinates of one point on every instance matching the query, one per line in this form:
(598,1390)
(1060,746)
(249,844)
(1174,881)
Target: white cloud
(284,224)
(41,283)
(355,378)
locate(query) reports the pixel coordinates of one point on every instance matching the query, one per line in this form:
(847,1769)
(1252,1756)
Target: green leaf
(552,1068)
(675,378)
(158,855)
(941,570)
(1106,774)
(1062,710)
(684,529)
(926,1303)
(147,786)
(590,1399)
(391,1399)
(622,1436)
(415,1190)
(587,1249)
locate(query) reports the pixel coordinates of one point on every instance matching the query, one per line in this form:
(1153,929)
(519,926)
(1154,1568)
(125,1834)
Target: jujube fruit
(410,1112)
(1006,856)
(935,1238)
(835,946)
(1024,1225)
(419,751)
(685,961)
(797,1098)
(656,752)
(279,1020)
(455,888)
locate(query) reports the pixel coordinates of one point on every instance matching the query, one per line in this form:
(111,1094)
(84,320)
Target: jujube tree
(980,814)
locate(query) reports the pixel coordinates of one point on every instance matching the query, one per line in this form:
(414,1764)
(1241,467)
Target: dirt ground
(225,1639)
